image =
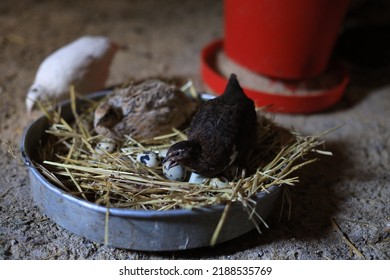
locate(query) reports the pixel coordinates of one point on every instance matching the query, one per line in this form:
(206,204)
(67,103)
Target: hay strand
(346,239)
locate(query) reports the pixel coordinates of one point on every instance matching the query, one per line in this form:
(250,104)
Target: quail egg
(221,182)
(150,159)
(195,178)
(106,145)
(174,171)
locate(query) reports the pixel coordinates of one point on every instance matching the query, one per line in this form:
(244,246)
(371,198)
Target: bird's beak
(29,104)
(171,163)
(165,160)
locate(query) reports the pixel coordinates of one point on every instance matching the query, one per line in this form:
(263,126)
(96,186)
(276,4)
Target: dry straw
(70,160)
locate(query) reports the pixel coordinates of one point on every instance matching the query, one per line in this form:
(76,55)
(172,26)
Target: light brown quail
(143,110)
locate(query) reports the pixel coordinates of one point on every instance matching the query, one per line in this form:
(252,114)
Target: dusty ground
(340,209)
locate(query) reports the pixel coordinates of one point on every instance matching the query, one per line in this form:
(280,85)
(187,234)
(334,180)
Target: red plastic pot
(287,39)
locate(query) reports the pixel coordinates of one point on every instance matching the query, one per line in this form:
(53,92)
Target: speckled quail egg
(195,178)
(174,171)
(150,159)
(221,182)
(106,145)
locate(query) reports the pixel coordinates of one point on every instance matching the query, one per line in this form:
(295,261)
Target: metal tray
(132,229)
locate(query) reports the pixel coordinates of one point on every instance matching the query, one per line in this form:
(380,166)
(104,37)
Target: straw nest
(71,159)
(116,179)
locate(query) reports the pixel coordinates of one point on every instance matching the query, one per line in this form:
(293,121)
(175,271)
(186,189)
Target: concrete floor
(340,209)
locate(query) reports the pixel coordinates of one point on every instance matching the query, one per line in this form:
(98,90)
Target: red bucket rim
(280,103)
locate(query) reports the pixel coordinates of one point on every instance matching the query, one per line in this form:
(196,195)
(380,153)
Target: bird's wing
(216,129)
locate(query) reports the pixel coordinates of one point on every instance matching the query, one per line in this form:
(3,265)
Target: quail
(143,110)
(84,63)
(222,134)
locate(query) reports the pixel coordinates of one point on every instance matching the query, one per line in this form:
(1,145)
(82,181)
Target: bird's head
(107,115)
(184,152)
(34,94)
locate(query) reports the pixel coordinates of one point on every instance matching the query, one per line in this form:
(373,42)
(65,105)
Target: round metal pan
(132,229)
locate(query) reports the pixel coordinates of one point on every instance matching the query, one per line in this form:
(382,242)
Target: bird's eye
(34,90)
(176,154)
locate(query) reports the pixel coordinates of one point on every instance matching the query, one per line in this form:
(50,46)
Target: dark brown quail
(223,132)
